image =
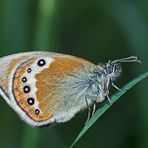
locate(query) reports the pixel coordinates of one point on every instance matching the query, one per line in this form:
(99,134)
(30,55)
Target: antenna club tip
(137,60)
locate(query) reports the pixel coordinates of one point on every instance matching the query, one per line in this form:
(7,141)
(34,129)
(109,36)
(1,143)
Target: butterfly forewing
(44,87)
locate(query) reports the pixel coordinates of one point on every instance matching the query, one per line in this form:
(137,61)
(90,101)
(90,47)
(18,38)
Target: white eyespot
(37,111)
(24,79)
(30,101)
(41,62)
(29,70)
(26,89)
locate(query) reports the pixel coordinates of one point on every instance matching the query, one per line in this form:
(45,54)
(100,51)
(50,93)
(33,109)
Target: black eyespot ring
(29,70)
(24,79)
(37,111)
(30,101)
(41,62)
(26,89)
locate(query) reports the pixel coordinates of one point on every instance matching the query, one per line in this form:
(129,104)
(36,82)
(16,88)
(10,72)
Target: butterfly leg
(108,98)
(116,87)
(91,108)
(94,108)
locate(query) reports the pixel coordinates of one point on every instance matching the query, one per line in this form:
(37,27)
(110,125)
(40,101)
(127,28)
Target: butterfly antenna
(127,60)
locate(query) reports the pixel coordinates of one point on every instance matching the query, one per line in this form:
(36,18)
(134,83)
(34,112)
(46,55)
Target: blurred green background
(95,30)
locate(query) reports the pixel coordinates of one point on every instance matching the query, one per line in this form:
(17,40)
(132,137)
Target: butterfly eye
(110,69)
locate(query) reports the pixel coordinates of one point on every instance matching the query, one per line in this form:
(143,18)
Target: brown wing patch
(50,80)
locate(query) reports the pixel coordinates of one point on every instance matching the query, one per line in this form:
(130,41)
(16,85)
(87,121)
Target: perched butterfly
(47,88)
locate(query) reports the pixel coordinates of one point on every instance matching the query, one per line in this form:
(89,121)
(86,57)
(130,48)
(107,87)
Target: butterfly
(46,88)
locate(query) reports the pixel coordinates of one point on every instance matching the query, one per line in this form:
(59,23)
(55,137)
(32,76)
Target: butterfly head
(113,68)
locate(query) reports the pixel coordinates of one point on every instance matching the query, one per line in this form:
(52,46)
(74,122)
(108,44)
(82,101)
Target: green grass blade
(106,106)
